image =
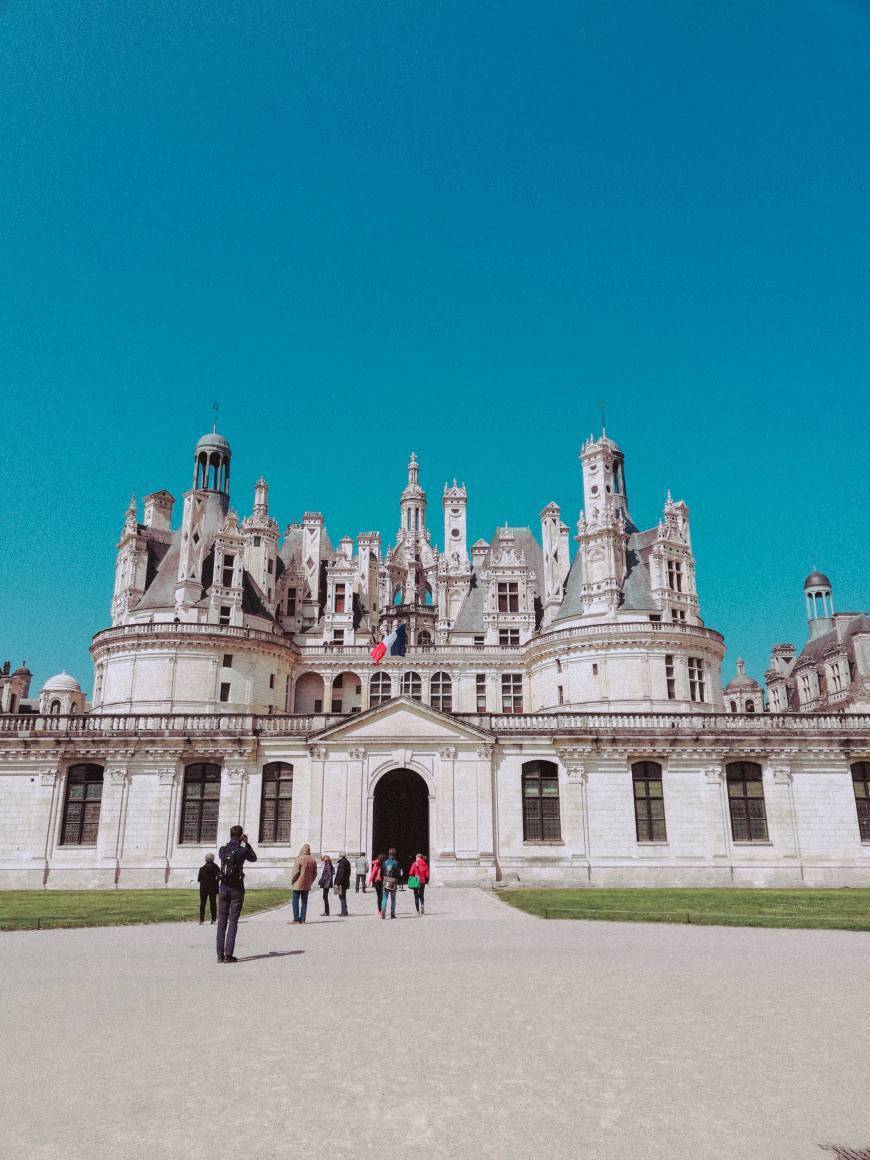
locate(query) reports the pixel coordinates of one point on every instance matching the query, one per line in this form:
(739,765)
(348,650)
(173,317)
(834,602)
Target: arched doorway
(400,816)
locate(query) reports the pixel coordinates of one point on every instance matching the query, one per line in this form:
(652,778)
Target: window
(560,695)
(671,678)
(649,802)
(424,639)
(228,660)
(53,708)
(380,689)
(338,636)
(594,670)
(270,567)
(675,575)
(750,706)
(229,561)
(508,596)
(655,618)
(339,598)
(697,689)
(678,615)
(478,641)
(81,809)
(271,680)
(861,786)
(806,689)
(256,541)
(508,636)
(541,802)
(291,601)
(733,706)
(480,691)
(412,686)
(224,614)
(512,692)
(746,802)
(225,691)
(441,692)
(200,801)
(276,802)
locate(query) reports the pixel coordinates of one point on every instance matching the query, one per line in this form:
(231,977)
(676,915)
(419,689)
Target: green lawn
(25,909)
(826,909)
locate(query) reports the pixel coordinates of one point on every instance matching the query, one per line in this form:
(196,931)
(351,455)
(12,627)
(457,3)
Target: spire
(261,498)
(413,471)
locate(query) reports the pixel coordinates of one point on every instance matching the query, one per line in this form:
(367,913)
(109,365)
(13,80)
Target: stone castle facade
(553,719)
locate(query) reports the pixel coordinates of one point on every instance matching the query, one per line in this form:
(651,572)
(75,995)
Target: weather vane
(215,407)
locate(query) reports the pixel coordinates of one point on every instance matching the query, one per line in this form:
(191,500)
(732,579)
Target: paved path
(476,1031)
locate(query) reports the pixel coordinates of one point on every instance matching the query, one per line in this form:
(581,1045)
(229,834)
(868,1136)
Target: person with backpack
(209,879)
(301,881)
(325,881)
(342,881)
(233,857)
(391,870)
(376,878)
(418,876)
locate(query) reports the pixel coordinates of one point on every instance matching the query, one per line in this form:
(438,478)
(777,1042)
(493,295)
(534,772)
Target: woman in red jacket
(376,878)
(420,870)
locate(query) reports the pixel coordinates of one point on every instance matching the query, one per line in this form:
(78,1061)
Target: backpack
(232,869)
(390,870)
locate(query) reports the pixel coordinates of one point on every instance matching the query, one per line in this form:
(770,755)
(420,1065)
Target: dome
(213,442)
(742,681)
(817,580)
(22,670)
(62,683)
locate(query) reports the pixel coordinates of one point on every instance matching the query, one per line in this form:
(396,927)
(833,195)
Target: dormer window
(508,596)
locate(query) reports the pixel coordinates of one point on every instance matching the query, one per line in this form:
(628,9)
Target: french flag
(391,646)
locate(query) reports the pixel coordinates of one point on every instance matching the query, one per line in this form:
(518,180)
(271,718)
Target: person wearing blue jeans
(391,871)
(300,905)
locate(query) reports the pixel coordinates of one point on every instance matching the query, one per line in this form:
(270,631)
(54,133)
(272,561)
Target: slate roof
(637,589)
(160,593)
(470,618)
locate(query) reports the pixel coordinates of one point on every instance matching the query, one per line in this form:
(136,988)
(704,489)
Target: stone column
(167,816)
(485,806)
(317,755)
(355,823)
(576,816)
(782,810)
(717,813)
(443,831)
(50,801)
(113,816)
(234,782)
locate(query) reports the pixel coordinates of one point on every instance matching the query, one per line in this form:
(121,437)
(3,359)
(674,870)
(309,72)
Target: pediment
(403,719)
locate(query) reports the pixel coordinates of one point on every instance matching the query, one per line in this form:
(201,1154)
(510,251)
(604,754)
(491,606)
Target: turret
(205,507)
(554,538)
(601,529)
(131,565)
(261,544)
(820,604)
(455,502)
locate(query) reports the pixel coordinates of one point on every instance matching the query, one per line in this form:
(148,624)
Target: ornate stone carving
(318,752)
(714,773)
(357,753)
(47,776)
(447,752)
(576,771)
(118,775)
(484,752)
(782,774)
(167,776)
(237,775)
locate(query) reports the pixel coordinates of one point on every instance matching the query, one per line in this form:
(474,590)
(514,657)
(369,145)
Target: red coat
(420,867)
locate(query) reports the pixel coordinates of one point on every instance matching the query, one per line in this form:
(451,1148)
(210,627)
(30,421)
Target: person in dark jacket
(233,857)
(325,881)
(391,870)
(342,881)
(209,878)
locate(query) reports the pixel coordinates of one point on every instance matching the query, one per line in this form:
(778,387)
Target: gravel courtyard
(477,1031)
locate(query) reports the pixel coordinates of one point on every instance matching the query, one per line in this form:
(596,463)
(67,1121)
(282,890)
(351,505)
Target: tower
(455,502)
(601,529)
(205,507)
(260,533)
(820,604)
(413,504)
(554,538)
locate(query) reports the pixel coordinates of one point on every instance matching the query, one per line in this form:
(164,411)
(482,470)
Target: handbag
(390,883)
(338,890)
(414,882)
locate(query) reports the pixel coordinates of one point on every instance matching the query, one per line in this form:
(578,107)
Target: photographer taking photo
(233,857)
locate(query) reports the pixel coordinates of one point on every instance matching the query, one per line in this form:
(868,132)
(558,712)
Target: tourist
(233,857)
(342,881)
(301,881)
(209,879)
(325,881)
(418,876)
(362,867)
(376,878)
(391,871)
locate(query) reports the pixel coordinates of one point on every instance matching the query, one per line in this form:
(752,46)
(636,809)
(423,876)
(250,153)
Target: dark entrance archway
(400,816)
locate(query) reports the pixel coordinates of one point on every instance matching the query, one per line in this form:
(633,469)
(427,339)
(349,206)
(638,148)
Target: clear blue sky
(368,228)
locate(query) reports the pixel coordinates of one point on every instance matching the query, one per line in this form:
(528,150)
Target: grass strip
(48,909)
(844,909)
